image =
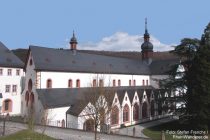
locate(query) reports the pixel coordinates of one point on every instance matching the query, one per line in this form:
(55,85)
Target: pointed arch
(144,110)
(115,115)
(152,108)
(126,113)
(136,112)
(30,85)
(88,125)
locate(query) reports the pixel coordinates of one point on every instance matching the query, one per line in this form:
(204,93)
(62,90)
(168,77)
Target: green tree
(193,84)
(198,93)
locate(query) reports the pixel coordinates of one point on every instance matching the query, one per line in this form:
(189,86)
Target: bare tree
(98,100)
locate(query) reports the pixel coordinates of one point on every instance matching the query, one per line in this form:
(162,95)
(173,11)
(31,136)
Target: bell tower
(147,47)
(73,42)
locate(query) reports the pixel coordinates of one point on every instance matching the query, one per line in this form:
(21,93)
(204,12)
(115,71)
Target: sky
(116,25)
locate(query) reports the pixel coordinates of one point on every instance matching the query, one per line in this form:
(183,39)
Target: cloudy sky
(122,41)
(101,24)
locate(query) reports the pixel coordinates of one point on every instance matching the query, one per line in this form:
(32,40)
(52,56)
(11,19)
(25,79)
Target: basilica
(59,85)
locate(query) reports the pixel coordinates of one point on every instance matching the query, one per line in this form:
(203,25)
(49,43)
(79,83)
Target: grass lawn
(175,126)
(26,135)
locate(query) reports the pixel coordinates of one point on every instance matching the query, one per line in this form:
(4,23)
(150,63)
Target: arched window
(49,83)
(94,82)
(30,85)
(114,83)
(129,82)
(63,123)
(147,83)
(136,112)
(32,97)
(70,84)
(152,108)
(115,115)
(89,125)
(78,83)
(143,83)
(119,82)
(27,98)
(101,83)
(144,110)
(134,82)
(7,105)
(31,62)
(126,113)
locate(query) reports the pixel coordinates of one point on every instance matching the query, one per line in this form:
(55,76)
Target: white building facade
(57,79)
(11,83)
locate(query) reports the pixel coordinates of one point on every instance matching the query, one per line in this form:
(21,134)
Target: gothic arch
(144,110)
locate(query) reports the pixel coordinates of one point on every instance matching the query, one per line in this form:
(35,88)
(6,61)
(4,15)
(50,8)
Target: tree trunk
(95,132)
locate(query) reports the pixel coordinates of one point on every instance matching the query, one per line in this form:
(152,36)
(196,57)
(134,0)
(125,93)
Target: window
(126,98)
(31,62)
(70,84)
(126,113)
(101,83)
(115,115)
(144,110)
(114,83)
(49,83)
(134,82)
(1,71)
(115,100)
(17,72)
(129,82)
(135,97)
(147,83)
(27,98)
(32,98)
(14,88)
(9,72)
(94,82)
(135,112)
(78,83)
(7,88)
(30,85)
(143,82)
(7,105)
(119,83)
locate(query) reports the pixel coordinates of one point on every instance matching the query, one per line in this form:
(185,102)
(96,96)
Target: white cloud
(122,41)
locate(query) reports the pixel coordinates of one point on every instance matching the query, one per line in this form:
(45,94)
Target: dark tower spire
(146,34)
(73,42)
(147,47)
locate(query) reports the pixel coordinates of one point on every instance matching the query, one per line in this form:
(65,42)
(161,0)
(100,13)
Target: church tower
(147,47)
(73,42)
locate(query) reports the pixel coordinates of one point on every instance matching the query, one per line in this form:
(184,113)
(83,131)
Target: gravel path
(64,134)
